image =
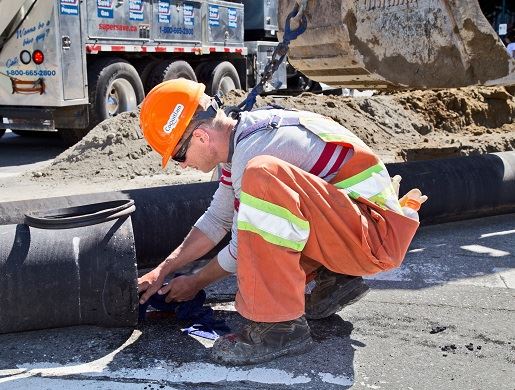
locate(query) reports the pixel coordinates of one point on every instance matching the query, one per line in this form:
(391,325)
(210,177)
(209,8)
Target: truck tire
(2,132)
(144,68)
(114,87)
(203,71)
(224,78)
(169,70)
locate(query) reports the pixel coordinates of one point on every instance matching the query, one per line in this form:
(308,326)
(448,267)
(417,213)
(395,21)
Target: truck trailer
(66,65)
(69,64)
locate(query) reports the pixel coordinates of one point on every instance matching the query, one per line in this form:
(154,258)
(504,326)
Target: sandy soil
(405,126)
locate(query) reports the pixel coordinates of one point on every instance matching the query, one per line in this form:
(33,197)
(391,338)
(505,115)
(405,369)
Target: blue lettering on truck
(175,30)
(69,7)
(136,10)
(105,9)
(164,12)
(233,17)
(189,16)
(214,15)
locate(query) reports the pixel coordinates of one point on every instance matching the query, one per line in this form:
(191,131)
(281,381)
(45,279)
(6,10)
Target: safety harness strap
(273,122)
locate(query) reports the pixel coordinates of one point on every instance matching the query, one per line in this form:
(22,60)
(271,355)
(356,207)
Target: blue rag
(204,323)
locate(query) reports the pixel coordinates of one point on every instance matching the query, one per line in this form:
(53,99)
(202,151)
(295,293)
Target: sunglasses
(180,156)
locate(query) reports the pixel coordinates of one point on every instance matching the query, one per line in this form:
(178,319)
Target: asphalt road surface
(444,320)
(23,153)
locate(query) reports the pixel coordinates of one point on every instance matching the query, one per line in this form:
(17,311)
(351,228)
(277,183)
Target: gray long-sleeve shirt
(293,144)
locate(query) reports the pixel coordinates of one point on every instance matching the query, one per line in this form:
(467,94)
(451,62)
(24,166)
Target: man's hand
(182,288)
(185,287)
(150,283)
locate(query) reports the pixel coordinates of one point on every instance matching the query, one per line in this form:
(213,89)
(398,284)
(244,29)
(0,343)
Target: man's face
(200,153)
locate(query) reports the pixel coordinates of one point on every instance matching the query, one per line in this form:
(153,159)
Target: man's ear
(201,134)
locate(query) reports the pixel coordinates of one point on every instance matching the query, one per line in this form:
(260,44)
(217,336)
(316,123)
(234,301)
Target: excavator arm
(398,44)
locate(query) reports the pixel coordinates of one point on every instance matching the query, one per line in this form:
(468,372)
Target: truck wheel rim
(226,84)
(120,97)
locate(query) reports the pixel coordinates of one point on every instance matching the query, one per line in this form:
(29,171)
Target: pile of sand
(399,127)
(115,149)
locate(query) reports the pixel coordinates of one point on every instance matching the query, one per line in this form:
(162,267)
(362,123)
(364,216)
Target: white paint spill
(501,233)
(12,371)
(485,250)
(186,373)
(394,275)
(84,384)
(52,370)
(198,372)
(341,380)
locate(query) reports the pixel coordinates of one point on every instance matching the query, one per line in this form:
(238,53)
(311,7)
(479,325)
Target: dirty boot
(332,293)
(262,341)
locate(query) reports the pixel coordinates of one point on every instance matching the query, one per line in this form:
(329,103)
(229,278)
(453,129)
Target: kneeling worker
(301,195)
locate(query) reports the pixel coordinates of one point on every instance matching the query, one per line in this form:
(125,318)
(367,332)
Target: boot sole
(292,349)
(349,298)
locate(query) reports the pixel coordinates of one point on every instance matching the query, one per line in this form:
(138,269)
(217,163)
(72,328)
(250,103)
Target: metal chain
(279,53)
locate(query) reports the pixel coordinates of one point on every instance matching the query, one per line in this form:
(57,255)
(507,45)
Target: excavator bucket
(397,44)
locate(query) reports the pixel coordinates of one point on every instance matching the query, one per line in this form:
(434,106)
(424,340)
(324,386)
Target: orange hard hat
(166,112)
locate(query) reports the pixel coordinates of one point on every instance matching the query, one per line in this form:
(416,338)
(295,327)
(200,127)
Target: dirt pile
(115,149)
(399,127)
(420,125)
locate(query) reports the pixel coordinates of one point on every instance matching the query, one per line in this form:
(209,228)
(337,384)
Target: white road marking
(485,250)
(502,233)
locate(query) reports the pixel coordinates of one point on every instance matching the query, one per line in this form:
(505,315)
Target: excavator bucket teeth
(398,44)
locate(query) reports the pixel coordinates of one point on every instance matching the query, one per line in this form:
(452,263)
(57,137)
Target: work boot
(332,293)
(262,341)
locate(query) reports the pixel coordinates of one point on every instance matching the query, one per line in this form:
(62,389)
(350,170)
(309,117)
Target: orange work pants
(345,236)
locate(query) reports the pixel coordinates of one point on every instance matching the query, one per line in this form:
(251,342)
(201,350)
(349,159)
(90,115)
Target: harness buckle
(275,122)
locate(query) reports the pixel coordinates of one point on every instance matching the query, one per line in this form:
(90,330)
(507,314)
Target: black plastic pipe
(461,187)
(163,216)
(67,267)
(458,188)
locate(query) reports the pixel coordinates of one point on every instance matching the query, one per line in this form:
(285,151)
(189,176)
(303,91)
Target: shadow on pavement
(60,346)
(29,149)
(479,252)
(161,354)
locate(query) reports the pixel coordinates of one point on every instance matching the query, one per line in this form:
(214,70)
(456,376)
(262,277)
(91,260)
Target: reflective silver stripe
(373,184)
(273,223)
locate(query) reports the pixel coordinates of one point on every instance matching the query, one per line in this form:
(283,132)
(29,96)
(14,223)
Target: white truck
(69,64)
(66,65)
